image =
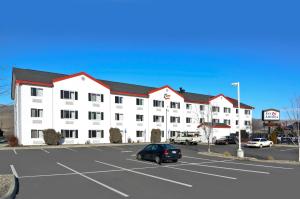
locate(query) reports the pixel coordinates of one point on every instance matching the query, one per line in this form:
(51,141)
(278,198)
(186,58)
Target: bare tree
(4,79)
(294,116)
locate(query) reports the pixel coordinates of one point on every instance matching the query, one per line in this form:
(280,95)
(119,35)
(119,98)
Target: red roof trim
(222,127)
(166,86)
(20,82)
(129,94)
(78,74)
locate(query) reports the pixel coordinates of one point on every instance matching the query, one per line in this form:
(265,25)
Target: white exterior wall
(52,104)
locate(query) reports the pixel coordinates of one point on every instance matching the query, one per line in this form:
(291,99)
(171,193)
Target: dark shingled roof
(47,77)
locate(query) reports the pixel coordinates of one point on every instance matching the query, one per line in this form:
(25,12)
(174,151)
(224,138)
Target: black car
(226,140)
(159,153)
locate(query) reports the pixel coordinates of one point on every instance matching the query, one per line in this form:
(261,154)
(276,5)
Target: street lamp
(240,152)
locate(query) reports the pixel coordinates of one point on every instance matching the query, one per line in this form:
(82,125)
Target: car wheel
(139,157)
(175,160)
(157,160)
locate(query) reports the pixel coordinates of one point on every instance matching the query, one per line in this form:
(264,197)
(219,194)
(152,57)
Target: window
(174,119)
(139,134)
(226,110)
(247,123)
(119,116)
(139,101)
(216,121)
(96,115)
(69,133)
(236,122)
(247,112)
(188,106)
(96,97)
(188,120)
(36,133)
(227,122)
(215,109)
(72,95)
(36,92)
(201,107)
(118,100)
(157,118)
(162,134)
(96,133)
(237,111)
(66,114)
(157,103)
(139,118)
(175,105)
(201,120)
(36,112)
(173,133)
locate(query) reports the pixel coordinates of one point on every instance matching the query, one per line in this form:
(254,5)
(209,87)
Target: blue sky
(200,46)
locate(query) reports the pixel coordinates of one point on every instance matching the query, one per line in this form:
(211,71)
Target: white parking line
(96,149)
(15,151)
(70,149)
(148,175)
(288,149)
(45,151)
(200,158)
(126,151)
(93,180)
(14,171)
(259,165)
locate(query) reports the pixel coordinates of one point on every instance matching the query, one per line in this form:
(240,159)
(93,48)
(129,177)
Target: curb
(212,154)
(13,190)
(70,146)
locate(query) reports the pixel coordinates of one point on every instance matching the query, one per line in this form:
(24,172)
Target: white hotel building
(83,109)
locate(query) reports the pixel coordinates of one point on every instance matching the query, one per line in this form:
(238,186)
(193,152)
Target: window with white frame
(227,122)
(247,112)
(119,116)
(236,122)
(67,133)
(158,103)
(139,101)
(175,105)
(215,109)
(202,107)
(36,133)
(173,133)
(237,111)
(158,118)
(118,100)
(247,123)
(139,118)
(96,115)
(36,112)
(139,134)
(162,133)
(201,120)
(216,121)
(96,133)
(67,114)
(188,106)
(71,95)
(227,110)
(188,120)
(92,97)
(174,119)
(37,92)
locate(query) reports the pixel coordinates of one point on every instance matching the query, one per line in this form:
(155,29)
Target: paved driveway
(113,172)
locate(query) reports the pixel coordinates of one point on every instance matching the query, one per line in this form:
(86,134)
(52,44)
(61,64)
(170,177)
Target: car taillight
(165,152)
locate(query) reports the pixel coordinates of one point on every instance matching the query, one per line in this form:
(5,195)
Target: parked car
(186,138)
(159,153)
(226,140)
(3,139)
(259,142)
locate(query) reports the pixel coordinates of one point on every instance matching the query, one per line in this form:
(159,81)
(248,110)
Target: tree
(4,80)
(294,116)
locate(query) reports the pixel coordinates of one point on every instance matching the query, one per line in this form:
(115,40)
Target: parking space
(113,172)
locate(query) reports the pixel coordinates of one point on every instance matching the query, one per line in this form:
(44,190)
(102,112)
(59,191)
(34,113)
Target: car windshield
(167,146)
(256,139)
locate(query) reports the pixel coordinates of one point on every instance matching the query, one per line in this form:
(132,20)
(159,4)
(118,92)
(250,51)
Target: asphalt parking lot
(276,152)
(113,172)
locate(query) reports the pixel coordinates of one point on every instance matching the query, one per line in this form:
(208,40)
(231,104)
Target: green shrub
(12,141)
(129,140)
(115,135)
(51,137)
(155,135)
(273,137)
(270,157)
(227,154)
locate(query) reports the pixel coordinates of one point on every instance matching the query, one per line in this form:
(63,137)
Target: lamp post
(240,152)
